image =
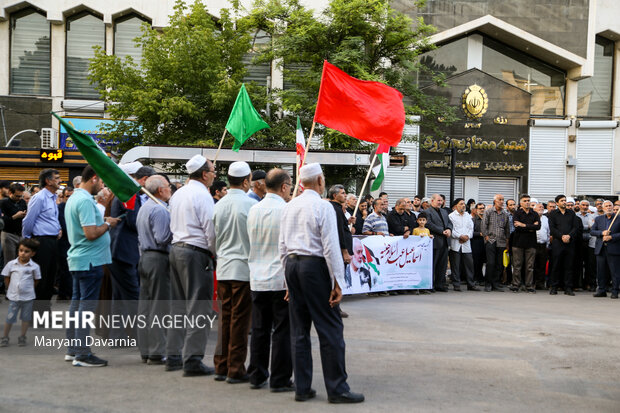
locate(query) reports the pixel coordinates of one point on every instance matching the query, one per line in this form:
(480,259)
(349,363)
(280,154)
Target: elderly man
(154,237)
(270,312)
(310,251)
(41,223)
(526,223)
(232,245)
(585,267)
(496,230)
(607,251)
(440,226)
(563,225)
(399,222)
(542,245)
(191,266)
(355,271)
(258,186)
(375,223)
(461,259)
(89,237)
(477,243)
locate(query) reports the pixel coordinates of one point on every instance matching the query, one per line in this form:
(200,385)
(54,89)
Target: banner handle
(303,159)
(218,148)
(359,198)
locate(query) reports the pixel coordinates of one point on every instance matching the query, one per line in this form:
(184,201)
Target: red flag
(368,111)
(131,204)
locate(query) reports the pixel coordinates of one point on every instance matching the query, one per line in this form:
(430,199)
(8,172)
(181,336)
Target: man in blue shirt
(90,251)
(41,223)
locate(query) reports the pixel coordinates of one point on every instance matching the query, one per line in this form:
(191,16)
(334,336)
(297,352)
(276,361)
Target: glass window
(544,82)
(30,54)
(125,31)
(448,59)
(257,72)
(594,98)
(83,32)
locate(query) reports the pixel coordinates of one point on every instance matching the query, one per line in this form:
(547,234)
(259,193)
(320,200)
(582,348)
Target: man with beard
(477,243)
(496,229)
(461,260)
(440,227)
(607,251)
(355,271)
(526,223)
(564,230)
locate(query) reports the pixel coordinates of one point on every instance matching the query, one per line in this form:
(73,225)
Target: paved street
(454,352)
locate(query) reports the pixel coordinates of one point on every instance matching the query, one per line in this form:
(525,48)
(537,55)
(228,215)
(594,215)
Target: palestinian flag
(383,160)
(370,260)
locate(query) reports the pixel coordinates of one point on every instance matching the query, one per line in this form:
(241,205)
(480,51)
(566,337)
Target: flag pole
(303,159)
(359,198)
(219,147)
(612,221)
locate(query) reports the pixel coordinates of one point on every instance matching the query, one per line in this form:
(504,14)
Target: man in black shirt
(399,222)
(526,223)
(477,243)
(13,212)
(564,230)
(337,198)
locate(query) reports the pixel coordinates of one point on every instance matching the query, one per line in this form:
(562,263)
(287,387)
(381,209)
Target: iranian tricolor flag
(300,143)
(381,164)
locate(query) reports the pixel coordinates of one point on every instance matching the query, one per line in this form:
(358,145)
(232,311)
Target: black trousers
(579,260)
(479,256)
(47,258)
(462,266)
(440,266)
(270,329)
(495,264)
(608,267)
(589,276)
(309,287)
(540,266)
(562,258)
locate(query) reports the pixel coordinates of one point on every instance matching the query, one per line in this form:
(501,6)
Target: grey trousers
(191,282)
(9,246)
(154,303)
(462,266)
(523,257)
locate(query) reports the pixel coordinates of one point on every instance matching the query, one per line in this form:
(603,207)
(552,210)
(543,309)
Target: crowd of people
(277,261)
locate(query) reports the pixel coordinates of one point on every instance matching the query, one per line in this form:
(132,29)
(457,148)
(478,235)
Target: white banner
(389,263)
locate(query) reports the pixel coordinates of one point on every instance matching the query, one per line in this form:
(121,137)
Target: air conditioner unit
(49,138)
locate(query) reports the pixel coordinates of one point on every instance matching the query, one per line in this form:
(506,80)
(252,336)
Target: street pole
(452,172)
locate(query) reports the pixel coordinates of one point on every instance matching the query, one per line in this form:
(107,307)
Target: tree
(368,39)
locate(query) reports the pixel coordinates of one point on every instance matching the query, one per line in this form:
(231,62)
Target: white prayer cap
(570,199)
(533,200)
(239,169)
(311,170)
(592,209)
(131,167)
(195,163)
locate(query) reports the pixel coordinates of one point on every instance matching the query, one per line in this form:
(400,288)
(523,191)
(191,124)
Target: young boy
(421,230)
(20,277)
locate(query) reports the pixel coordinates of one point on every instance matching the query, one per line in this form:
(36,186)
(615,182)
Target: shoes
(89,361)
(514,289)
(498,289)
(69,357)
(383,293)
(531,290)
(488,288)
(442,289)
(568,291)
(553,291)
(306,396)
(156,361)
(199,370)
(4,342)
(173,365)
(424,291)
(258,386)
(243,379)
(600,294)
(144,359)
(21,341)
(219,377)
(343,314)
(289,387)
(472,288)
(348,397)
(614,296)
(392,293)
(457,288)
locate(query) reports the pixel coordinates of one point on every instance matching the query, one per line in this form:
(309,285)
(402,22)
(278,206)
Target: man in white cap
(310,253)
(233,276)
(191,267)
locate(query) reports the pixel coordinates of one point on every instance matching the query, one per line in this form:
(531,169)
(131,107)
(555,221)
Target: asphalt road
(449,352)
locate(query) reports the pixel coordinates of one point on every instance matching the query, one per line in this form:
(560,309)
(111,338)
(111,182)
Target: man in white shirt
(233,276)
(191,267)
(542,253)
(310,252)
(270,313)
(461,258)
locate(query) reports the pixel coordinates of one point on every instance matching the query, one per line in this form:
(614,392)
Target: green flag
(121,184)
(244,120)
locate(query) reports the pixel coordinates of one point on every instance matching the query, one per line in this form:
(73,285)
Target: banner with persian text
(383,263)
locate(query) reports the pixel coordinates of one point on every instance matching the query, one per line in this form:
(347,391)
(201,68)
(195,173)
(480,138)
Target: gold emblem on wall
(475,102)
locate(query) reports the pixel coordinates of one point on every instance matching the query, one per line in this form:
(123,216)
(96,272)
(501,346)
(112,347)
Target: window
(594,96)
(125,32)
(30,54)
(544,82)
(257,72)
(448,59)
(83,32)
